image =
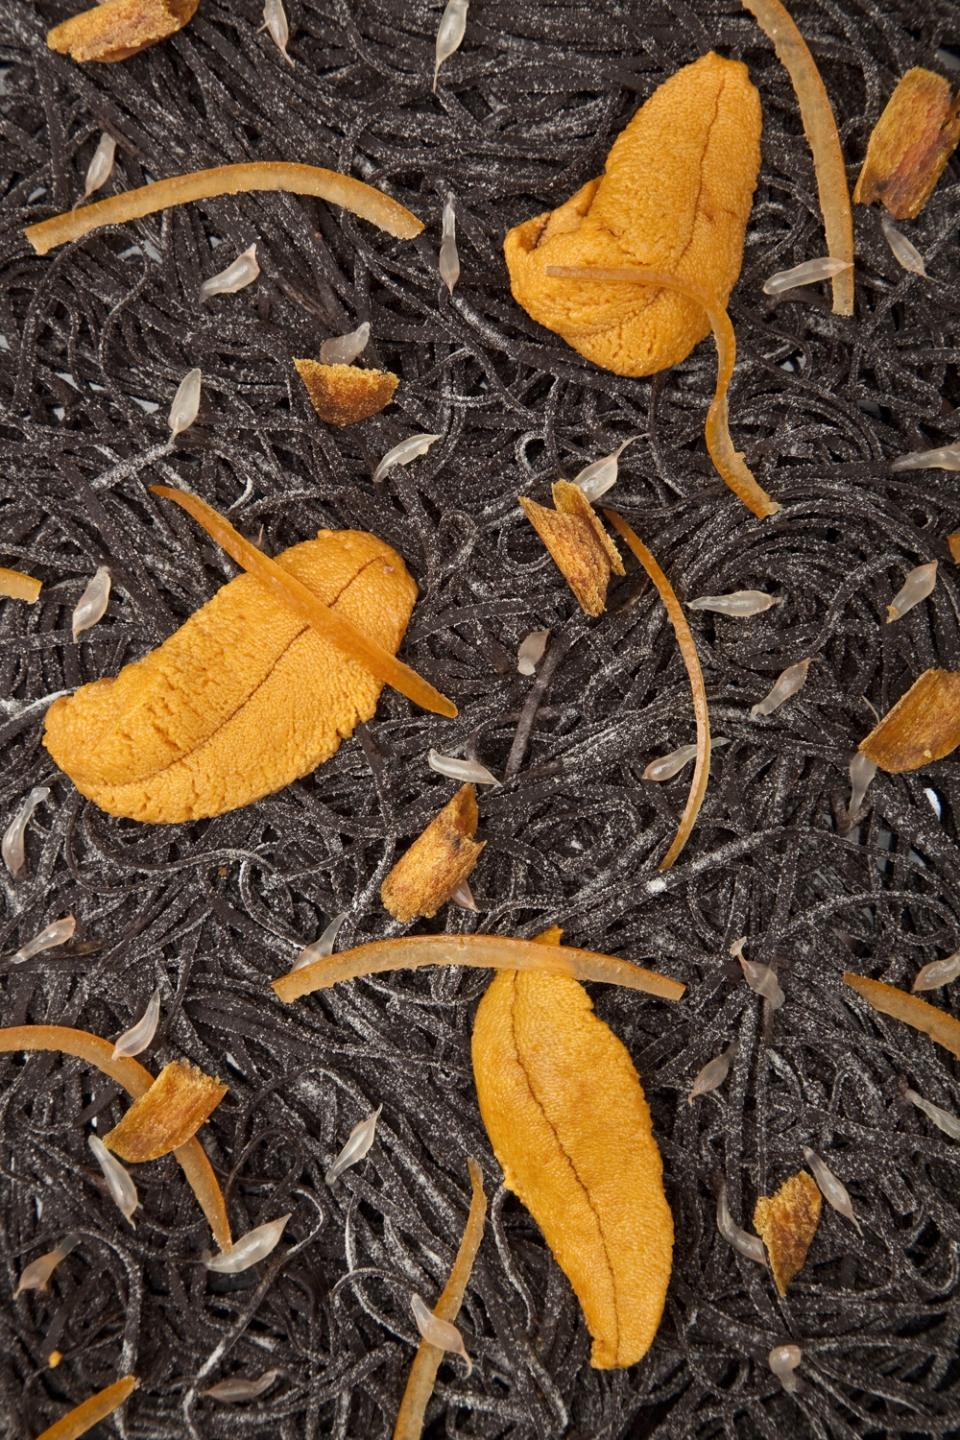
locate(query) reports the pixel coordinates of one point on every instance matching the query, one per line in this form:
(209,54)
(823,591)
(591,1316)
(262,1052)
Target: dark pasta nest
(212,911)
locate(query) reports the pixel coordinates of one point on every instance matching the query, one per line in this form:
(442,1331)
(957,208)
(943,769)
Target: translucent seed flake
(358,1145)
(123,1192)
(531,651)
(810,272)
(92,605)
(38,1272)
(944,457)
(449,263)
(919,584)
(783,1361)
(937,973)
(237,1389)
(713,1074)
(344,349)
(13,847)
(944,1120)
(832,1189)
(600,475)
(58,932)
(276,25)
(323,947)
(236,276)
(904,251)
(410,449)
(186,402)
(468,772)
(862,770)
(439,1332)
(101,166)
(739,604)
(760,978)
(786,685)
(250,1249)
(453,25)
(750,1246)
(137,1039)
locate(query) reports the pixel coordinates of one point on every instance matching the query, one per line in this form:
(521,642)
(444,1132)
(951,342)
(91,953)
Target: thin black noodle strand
(95,338)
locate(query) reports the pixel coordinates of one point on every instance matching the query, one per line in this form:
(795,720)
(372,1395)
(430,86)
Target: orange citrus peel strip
(333,626)
(136,1080)
(478,952)
(91,1411)
(698,691)
(901,1005)
(820,128)
(270,175)
(729,462)
(15,585)
(426,1362)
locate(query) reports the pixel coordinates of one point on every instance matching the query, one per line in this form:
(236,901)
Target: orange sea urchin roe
(675,196)
(243,698)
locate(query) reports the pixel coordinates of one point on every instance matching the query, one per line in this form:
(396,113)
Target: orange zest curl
(886,999)
(91,1411)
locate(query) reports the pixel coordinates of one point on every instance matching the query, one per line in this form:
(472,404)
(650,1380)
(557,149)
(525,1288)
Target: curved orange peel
(91,1411)
(15,585)
(942,1028)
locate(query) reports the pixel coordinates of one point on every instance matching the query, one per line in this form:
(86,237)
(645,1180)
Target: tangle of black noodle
(95,339)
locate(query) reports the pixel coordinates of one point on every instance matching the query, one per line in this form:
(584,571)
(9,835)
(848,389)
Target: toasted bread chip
(119,28)
(923,726)
(910,145)
(578,544)
(437,862)
(786,1223)
(178,1102)
(344,394)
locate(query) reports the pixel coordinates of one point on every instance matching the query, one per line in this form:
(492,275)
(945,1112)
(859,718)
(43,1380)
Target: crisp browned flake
(119,28)
(344,394)
(578,544)
(178,1102)
(786,1223)
(910,145)
(923,726)
(437,862)
(953,542)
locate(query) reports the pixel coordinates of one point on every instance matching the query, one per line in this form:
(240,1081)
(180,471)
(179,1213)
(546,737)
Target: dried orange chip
(426,1362)
(953,541)
(437,862)
(886,999)
(136,1080)
(923,726)
(578,544)
(910,145)
(171,1112)
(786,1223)
(118,29)
(344,394)
(15,585)
(91,1411)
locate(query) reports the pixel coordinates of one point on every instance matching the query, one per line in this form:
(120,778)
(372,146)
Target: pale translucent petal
(783,1361)
(786,685)
(123,1192)
(713,1074)
(468,772)
(449,263)
(13,847)
(358,1145)
(943,457)
(186,402)
(760,978)
(344,349)
(236,276)
(944,1120)
(38,1272)
(250,1249)
(600,475)
(903,250)
(135,1040)
(750,1246)
(665,767)
(739,604)
(919,584)
(236,1389)
(832,1189)
(322,947)
(453,25)
(463,896)
(52,935)
(938,972)
(862,771)
(810,272)
(410,449)
(92,605)
(531,651)
(276,25)
(439,1332)
(101,165)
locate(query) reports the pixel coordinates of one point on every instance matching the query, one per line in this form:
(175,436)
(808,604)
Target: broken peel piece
(578,544)
(268,175)
(91,1411)
(922,727)
(820,128)
(331,624)
(439,860)
(426,1362)
(787,1222)
(953,544)
(728,462)
(910,145)
(698,691)
(345,394)
(136,1080)
(482,952)
(118,29)
(180,1100)
(15,585)
(941,1027)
